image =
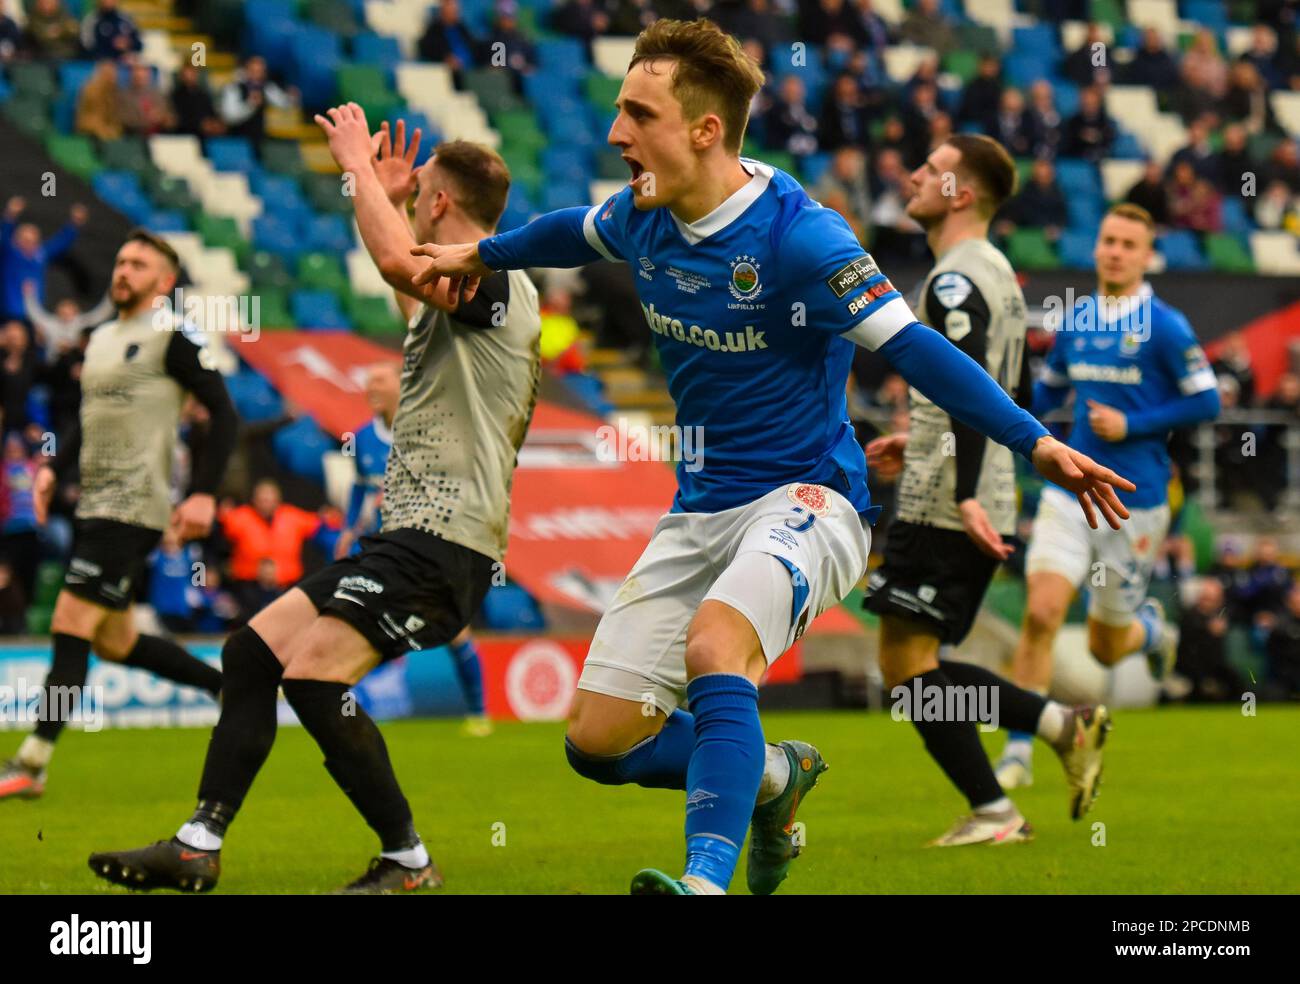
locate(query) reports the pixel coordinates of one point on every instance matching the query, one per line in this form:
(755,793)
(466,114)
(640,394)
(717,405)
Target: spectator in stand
(1263,55)
(59,331)
(894,233)
(926,26)
(267,531)
(218,607)
(1202,65)
(19,542)
(174,590)
(193,110)
(751,20)
(507,45)
(1277,209)
(1267,585)
(582,19)
(1247,100)
(561,338)
(99,106)
(1150,193)
(1195,97)
(1039,205)
(940,130)
(892,138)
(1089,64)
(1199,151)
(982,95)
(1283,649)
(918,122)
(18,368)
(1233,467)
(1288,63)
(449,40)
(144,107)
(1233,162)
(844,188)
(1046,120)
(106,32)
(823,19)
(1014,127)
(23,257)
(1194,203)
(1272,450)
(1089,133)
(873,32)
(245,98)
(845,119)
(789,125)
(1152,64)
(51,34)
(1284,166)
(1235,360)
(1202,647)
(11,38)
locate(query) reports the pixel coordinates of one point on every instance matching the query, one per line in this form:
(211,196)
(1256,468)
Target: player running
(754,295)
(957,500)
(1137,372)
(469,381)
(138,368)
(371,445)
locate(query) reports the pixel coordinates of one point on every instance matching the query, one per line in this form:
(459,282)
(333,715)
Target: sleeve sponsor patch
(951,289)
(956,325)
(852,275)
(871,294)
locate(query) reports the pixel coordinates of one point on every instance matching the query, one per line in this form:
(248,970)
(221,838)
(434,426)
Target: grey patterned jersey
(469,384)
(133,383)
(971,296)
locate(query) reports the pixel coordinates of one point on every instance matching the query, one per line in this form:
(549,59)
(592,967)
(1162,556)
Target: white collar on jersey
(730,210)
(382,430)
(1120,307)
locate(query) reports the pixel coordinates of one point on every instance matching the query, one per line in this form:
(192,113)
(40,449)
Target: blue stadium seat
(590,391)
(1127,147)
(74,74)
(1040,38)
(377,49)
(135,207)
(266,185)
(301,446)
(5,91)
(167,220)
(270,36)
(231,154)
(1084,211)
(1067,98)
(1023,68)
(571,164)
(329,234)
(543,87)
(1077,177)
(1207,13)
(113,186)
(315,55)
(318,309)
(1235,219)
(813,167)
(1181,251)
(509,608)
(275,235)
(255,399)
(570,131)
(1075,249)
(430,135)
(563,56)
(556,195)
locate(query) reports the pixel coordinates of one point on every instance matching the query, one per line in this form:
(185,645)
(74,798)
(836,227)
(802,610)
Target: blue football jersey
(373,442)
(747,308)
(1144,357)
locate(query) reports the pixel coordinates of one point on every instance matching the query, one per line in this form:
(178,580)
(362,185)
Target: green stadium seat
(780,159)
(979,38)
(963,63)
(126,154)
(33,79)
(371,316)
(30,114)
(334,15)
(1227,255)
(325,192)
(518,129)
(49,582)
(39,618)
(220,231)
(1260,146)
(283,157)
(1110,12)
(266,270)
(494,88)
(524,172)
(602,91)
(321,271)
(366,86)
(74,152)
(1030,248)
(173,192)
(273,307)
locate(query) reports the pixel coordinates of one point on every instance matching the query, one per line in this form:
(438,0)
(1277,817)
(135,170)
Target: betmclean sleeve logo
(870,295)
(852,275)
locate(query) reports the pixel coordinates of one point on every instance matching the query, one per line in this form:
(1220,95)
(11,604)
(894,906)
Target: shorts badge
(811,497)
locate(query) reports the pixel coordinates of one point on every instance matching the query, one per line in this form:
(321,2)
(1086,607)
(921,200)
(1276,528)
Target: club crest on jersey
(1129,343)
(811,497)
(744,284)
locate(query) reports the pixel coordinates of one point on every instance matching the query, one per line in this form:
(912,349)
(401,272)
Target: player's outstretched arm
(386,235)
(956,384)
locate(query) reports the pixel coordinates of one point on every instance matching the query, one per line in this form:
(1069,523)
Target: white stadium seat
(366,278)
(1074,33)
(1117,177)
(156,50)
(601,190)
(890,10)
(1238,41)
(399,19)
(1286,107)
(902,60)
(612,55)
(1160,14)
(1132,106)
(1275,252)
(178,154)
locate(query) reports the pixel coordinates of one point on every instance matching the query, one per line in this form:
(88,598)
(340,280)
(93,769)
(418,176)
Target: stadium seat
(273,235)
(318,310)
(1075,249)
(329,234)
(1275,252)
(1226,253)
(254,397)
(509,608)
(1031,249)
(1180,250)
(1077,177)
(322,271)
(282,157)
(373,317)
(231,154)
(74,152)
(300,447)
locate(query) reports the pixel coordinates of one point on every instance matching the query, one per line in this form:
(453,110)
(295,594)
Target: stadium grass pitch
(1194,800)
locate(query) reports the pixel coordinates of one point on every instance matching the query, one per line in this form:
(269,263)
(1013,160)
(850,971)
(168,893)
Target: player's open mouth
(637,168)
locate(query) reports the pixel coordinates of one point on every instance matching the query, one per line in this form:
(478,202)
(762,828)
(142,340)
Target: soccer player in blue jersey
(1137,372)
(372,444)
(755,296)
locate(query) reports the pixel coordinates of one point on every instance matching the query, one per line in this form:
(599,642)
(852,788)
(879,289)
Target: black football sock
(356,756)
(1018,709)
(68,669)
(165,658)
(245,731)
(955,745)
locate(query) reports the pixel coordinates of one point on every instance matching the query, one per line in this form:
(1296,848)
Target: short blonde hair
(714,75)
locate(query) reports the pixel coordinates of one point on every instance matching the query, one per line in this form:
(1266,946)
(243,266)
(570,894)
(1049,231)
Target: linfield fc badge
(811,497)
(744,284)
